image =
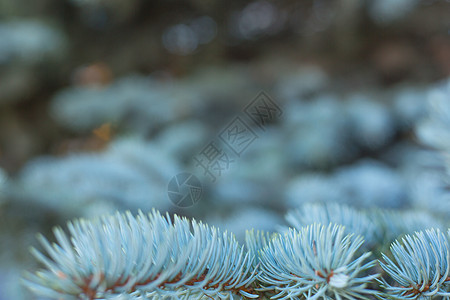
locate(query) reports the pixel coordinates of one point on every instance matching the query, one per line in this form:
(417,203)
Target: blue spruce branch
(126,257)
(355,221)
(315,262)
(143,257)
(420,266)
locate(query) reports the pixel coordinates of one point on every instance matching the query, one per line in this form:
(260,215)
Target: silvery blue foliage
(434,131)
(29,41)
(409,106)
(183,139)
(256,240)
(142,257)
(145,154)
(366,183)
(393,223)
(371,123)
(255,176)
(388,11)
(3,183)
(355,221)
(247,217)
(185,38)
(130,174)
(312,187)
(143,103)
(235,189)
(371,184)
(10,287)
(315,262)
(376,226)
(134,99)
(249,180)
(423,171)
(264,159)
(302,83)
(429,192)
(412,159)
(315,134)
(16,236)
(420,266)
(108,258)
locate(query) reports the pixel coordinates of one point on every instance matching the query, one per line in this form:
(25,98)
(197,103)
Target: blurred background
(103,102)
